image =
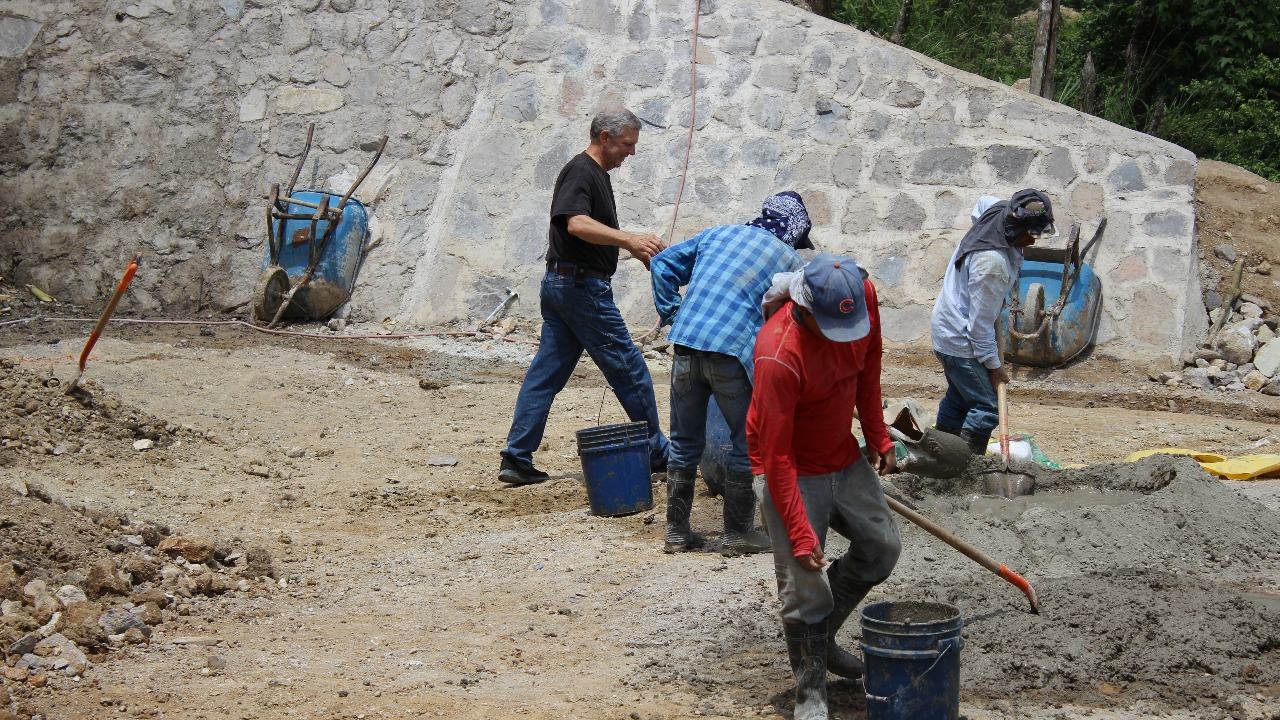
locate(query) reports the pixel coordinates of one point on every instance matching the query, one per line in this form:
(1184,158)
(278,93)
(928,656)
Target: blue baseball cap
(836,297)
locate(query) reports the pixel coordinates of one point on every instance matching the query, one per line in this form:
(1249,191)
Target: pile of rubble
(1244,354)
(76,583)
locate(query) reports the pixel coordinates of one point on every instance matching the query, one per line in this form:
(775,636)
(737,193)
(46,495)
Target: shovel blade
(1008,484)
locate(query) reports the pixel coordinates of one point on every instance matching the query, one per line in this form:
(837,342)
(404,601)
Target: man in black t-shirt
(578,312)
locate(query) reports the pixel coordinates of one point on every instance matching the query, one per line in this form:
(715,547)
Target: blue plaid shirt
(728,268)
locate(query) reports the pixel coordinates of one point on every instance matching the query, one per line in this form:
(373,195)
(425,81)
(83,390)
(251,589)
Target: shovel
(1002,482)
(129,272)
(965,548)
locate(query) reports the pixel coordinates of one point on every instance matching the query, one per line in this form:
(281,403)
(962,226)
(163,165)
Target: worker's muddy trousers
(850,502)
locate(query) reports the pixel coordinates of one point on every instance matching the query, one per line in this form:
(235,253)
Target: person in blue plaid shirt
(727,269)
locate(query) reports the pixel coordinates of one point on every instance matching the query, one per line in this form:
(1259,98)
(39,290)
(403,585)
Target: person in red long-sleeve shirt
(817,358)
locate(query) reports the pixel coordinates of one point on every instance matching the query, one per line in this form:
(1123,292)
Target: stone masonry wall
(157,125)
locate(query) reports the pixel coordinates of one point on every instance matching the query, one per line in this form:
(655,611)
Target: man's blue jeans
(970,401)
(695,379)
(576,319)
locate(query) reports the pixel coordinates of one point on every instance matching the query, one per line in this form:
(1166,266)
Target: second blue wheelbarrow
(1052,314)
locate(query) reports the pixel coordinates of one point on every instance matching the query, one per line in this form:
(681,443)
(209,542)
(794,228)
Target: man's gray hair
(615,120)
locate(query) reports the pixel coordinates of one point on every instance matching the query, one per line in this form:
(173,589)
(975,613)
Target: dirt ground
(312,528)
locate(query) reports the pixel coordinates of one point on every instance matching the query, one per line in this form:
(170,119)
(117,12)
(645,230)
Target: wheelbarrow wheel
(273,287)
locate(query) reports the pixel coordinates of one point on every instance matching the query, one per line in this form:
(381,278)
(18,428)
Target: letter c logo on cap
(846,306)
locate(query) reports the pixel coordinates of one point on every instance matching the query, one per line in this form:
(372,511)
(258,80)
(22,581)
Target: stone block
(943,166)
(1267,359)
(534,46)
(904,325)
(1087,201)
(847,166)
(850,76)
(1197,378)
(1254,380)
(768,114)
(1130,269)
(712,191)
(980,104)
(644,69)
(742,41)
(16,35)
(887,171)
(520,102)
(1237,343)
(905,95)
(1126,178)
(1010,163)
(253,106)
(761,152)
(904,214)
(1167,223)
(776,76)
(1059,167)
(308,101)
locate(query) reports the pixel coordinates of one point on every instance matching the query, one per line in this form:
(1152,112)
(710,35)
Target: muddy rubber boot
(847,595)
(740,535)
(947,429)
(977,443)
(807,650)
(679,505)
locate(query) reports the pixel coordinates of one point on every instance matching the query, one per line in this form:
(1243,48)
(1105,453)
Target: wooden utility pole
(1088,85)
(1045,54)
(900,27)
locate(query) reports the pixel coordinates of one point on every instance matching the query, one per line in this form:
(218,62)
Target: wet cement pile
(1158,585)
(1156,581)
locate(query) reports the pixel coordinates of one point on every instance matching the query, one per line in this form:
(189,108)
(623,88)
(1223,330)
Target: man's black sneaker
(514,472)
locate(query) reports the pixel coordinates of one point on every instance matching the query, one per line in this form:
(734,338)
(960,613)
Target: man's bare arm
(642,247)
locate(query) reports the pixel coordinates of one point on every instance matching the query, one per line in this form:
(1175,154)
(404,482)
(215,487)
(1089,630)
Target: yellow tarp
(1245,467)
(1200,457)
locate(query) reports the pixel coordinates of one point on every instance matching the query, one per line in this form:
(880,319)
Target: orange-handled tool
(106,315)
(968,550)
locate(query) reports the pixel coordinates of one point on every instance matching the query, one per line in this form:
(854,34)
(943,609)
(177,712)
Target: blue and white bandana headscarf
(784,216)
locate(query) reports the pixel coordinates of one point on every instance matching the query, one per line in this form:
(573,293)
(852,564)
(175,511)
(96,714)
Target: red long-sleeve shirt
(801,417)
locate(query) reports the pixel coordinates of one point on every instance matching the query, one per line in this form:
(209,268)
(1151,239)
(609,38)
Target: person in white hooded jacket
(982,271)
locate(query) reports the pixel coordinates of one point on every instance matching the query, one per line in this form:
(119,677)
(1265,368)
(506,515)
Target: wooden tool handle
(1002,400)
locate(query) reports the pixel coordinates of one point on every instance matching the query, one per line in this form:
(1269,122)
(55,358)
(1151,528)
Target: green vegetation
(1201,73)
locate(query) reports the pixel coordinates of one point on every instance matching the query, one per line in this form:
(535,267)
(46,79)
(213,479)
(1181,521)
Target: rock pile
(1245,355)
(38,418)
(76,583)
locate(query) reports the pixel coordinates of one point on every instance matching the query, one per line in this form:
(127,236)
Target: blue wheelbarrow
(1052,313)
(314,241)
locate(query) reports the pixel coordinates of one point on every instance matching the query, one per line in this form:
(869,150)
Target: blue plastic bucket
(615,464)
(912,655)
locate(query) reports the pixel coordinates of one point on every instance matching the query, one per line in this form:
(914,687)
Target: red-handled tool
(106,315)
(968,550)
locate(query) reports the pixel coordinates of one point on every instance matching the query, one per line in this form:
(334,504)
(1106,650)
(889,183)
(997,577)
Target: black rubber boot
(947,429)
(740,535)
(977,442)
(847,595)
(679,504)
(807,649)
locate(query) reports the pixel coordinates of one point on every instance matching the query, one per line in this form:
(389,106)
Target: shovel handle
(966,549)
(111,308)
(1002,401)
